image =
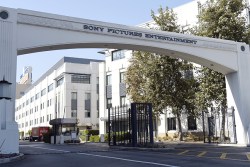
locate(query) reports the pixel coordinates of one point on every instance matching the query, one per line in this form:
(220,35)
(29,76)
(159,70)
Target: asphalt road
(99,155)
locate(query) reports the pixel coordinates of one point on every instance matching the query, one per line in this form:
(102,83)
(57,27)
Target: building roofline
(59,64)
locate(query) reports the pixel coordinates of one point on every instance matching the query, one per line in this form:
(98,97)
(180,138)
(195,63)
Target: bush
(93,132)
(106,137)
(85,135)
(120,136)
(94,138)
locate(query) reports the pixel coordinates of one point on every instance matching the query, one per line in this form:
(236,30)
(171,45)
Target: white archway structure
(24,31)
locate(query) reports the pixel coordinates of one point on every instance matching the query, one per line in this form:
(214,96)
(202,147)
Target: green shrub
(93,132)
(120,136)
(106,137)
(94,138)
(82,135)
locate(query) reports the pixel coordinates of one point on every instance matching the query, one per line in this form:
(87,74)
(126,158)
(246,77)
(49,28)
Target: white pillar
(8,57)
(102,99)
(238,94)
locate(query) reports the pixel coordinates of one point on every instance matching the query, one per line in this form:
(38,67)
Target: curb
(12,159)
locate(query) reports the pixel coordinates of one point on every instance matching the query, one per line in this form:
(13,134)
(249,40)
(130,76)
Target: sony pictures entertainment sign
(124,31)
(128,33)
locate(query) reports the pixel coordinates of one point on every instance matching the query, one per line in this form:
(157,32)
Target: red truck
(37,133)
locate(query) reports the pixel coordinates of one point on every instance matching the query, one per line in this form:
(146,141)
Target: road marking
(201,154)
(223,155)
(52,149)
(248,156)
(183,152)
(130,160)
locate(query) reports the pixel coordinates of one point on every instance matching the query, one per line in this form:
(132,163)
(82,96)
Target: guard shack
(64,130)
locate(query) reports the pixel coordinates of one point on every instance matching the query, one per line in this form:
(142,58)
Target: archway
(24,31)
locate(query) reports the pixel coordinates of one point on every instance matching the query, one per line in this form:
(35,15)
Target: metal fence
(130,125)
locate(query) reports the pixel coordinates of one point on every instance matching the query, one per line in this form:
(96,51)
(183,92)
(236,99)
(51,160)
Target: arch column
(238,96)
(8,58)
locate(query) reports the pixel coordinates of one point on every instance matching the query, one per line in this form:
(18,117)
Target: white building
(113,90)
(68,90)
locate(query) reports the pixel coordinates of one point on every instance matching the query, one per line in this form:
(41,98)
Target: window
(74,95)
(109,79)
(32,99)
(87,114)
(87,96)
(37,96)
(97,105)
(87,105)
(50,87)
(122,77)
(27,102)
(122,100)
(192,123)
(97,85)
(74,104)
(97,80)
(118,54)
(59,82)
(73,113)
(109,103)
(171,123)
(80,78)
(43,92)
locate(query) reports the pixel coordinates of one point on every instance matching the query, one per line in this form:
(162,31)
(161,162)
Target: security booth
(64,130)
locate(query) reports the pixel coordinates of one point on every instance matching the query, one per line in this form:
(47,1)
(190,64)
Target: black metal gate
(212,122)
(130,126)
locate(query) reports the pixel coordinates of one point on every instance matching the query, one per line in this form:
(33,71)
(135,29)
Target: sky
(129,12)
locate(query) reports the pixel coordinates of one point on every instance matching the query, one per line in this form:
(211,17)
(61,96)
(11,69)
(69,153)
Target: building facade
(68,90)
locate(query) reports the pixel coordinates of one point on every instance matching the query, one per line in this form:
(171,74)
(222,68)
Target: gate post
(151,124)
(109,136)
(134,124)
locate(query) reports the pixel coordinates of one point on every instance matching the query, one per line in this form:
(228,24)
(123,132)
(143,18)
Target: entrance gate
(23,31)
(212,122)
(130,126)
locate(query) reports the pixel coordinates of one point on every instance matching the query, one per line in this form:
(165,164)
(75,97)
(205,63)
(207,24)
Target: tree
(160,79)
(219,19)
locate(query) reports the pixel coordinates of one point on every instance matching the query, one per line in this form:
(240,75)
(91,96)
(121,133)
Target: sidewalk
(165,146)
(10,158)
